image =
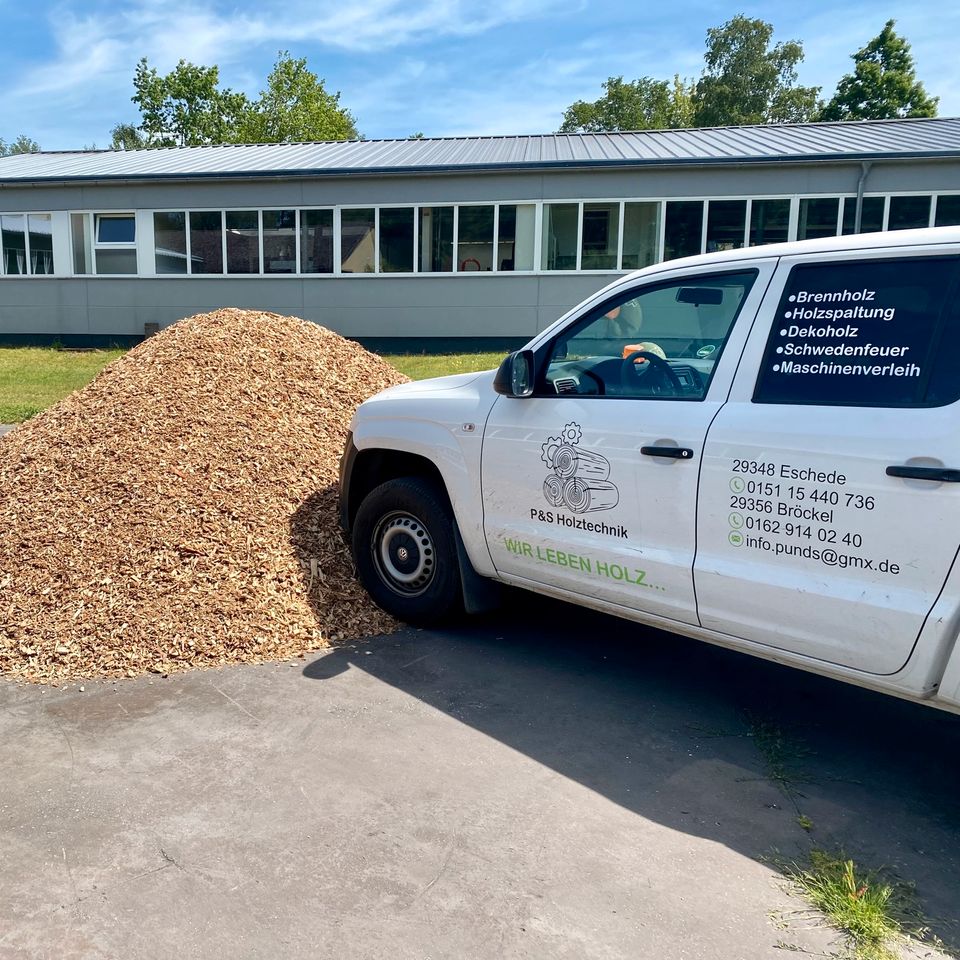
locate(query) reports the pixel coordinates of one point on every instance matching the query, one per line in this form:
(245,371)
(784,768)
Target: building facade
(428,241)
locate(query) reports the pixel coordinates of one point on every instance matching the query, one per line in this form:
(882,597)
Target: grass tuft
(862,904)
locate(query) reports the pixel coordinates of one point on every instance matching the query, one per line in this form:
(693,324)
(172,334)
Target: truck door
(589,485)
(829,515)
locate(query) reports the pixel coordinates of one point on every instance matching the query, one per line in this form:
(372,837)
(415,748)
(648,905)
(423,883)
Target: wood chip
(181,510)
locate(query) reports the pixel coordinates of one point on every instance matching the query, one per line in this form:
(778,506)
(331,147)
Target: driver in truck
(625,323)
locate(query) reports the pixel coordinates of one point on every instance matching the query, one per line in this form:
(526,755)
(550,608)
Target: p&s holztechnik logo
(579,479)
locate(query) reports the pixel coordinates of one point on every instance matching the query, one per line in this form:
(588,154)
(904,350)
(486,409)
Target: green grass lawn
(422,366)
(33,378)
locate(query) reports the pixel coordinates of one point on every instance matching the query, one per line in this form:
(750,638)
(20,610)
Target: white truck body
(759,448)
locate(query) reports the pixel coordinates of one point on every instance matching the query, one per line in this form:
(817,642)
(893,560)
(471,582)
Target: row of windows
(324,241)
(467,238)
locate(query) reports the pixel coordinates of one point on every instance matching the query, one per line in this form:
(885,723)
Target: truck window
(870,333)
(663,341)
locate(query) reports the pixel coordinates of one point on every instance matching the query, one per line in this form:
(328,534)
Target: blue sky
(444,67)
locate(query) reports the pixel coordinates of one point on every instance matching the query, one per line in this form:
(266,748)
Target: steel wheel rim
(404,554)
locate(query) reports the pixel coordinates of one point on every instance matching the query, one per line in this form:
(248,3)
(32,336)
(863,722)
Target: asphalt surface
(5,428)
(547,784)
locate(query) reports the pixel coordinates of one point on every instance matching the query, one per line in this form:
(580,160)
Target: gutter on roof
(534,166)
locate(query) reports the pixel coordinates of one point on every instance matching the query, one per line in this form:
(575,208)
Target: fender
(459,469)
(445,427)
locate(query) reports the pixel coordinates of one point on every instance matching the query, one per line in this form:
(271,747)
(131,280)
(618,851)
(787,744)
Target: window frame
(100,215)
(26,246)
(417,237)
(223,244)
(544,350)
(258,215)
(841,199)
(186,230)
(334,242)
(858,258)
(94,218)
(296,240)
(56,233)
(935,206)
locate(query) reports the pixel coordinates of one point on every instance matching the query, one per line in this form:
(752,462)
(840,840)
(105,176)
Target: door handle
(936,474)
(672,453)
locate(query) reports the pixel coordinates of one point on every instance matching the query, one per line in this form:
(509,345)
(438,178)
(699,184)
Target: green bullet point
(736,538)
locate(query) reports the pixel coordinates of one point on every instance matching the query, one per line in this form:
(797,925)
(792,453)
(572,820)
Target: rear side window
(870,333)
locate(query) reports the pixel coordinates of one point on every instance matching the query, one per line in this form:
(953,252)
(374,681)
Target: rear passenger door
(827,519)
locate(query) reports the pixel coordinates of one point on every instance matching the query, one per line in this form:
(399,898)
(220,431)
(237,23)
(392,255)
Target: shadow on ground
(699,739)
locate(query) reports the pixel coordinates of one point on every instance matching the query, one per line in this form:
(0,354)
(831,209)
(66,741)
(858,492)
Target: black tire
(406,552)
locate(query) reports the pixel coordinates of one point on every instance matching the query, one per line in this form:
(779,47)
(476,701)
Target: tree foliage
(644,104)
(745,80)
(23,144)
(295,106)
(883,84)
(187,107)
(126,136)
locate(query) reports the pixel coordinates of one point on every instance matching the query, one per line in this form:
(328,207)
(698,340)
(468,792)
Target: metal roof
(860,140)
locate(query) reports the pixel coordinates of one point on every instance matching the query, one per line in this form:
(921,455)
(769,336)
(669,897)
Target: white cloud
(103,39)
(95,46)
(447,67)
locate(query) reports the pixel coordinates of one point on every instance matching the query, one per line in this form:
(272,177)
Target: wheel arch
(364,470)
(377,465)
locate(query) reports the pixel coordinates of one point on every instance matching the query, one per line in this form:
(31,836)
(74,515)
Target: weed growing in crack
(873,910)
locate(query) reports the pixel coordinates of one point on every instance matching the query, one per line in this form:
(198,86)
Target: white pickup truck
(759,448)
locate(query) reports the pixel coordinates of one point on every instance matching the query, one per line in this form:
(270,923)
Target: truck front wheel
(406,553)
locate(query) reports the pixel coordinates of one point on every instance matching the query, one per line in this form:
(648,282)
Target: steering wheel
(598,381)
(632,374)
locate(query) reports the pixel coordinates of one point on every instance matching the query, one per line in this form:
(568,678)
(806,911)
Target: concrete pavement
(548,784)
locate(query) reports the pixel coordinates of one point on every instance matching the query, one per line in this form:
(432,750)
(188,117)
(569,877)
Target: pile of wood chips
(181,510)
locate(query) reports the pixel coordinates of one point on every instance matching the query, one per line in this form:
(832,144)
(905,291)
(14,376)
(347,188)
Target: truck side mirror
(515,376)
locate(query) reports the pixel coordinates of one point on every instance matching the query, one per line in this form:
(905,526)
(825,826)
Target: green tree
(745,80)
(186,107)
(126,136)
(883,84)
(643,104)
(23,144)
(295,106)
